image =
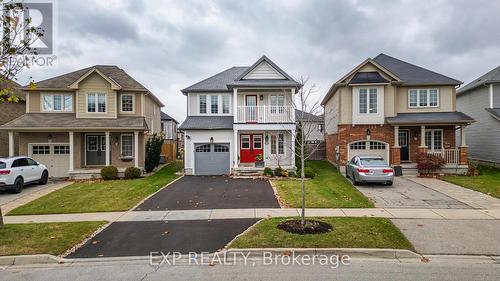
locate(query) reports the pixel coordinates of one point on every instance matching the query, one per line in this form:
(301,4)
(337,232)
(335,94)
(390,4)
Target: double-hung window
(96,102)
(225,104)
(434,139)
(56,102)
(127,145)
(277,103)
(278,144)
(368,101)
(203,104)
(423,98)
(214,104)
(127,103)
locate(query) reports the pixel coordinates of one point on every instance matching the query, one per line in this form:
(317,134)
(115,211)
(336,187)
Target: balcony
(265,114)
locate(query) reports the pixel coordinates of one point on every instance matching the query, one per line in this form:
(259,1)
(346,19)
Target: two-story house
(481,100)
(394,109)
(169,126)
(240,119)
(78,122)
(9,112)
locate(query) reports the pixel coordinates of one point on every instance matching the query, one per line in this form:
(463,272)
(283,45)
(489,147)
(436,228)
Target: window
(277,103)
(214,104)
(321,127)
(373,101)
(203,104)
(278,144)
(434,139)
(40,149)
(31,162)
(363,105)
(92,143)
(57,102)
(245,142)
(21,162)
(96,102)
(221,148)
(203,148)
(225,104)
(281,144)
(257,142)
(423,98)
(358,145)
(127,103)
(273,144)
(127,145)
(377,145)
(61,149)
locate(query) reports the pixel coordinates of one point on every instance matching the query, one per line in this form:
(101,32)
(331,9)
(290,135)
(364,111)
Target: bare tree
(18,39)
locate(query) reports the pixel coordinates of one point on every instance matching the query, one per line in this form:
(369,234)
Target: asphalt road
(358,270)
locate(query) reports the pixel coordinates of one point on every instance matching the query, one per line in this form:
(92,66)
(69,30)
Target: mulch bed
(311,227)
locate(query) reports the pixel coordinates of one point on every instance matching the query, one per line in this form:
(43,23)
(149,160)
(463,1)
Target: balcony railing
(265,114)
(451,156)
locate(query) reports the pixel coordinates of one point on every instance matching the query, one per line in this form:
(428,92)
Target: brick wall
(9,111)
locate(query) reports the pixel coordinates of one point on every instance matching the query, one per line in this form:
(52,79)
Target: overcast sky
(169,45)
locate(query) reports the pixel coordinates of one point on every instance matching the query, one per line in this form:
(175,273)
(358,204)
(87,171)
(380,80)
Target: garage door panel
(212,159)
(54,156)
(368,148)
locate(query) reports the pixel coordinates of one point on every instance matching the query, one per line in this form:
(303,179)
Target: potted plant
(259,160)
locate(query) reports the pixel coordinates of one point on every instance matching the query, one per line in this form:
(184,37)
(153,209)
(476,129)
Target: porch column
(462,136)
(136,149)
(11,144)
(108,160)
(236,147)
(71,147)
(235,105)
(422,148)
(396,150)
(463,150)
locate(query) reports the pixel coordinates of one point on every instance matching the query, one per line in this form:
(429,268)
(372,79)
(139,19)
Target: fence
(169,150)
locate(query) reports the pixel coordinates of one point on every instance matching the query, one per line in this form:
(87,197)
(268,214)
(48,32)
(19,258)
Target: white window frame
(432,131)
(133,103)
(369,109)
(63,109)
(220,104)
(428,99)
(276,108)
(249,142)
(275,148)
(132,145)
(206,104)
(96,103)
(261,141)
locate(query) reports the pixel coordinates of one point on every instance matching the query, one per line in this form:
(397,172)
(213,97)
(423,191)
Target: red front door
(251,145)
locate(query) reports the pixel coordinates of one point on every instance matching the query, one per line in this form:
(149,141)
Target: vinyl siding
(137,104)
(483,136)
(264,71)
(446,100)
(94,83)
(152,114)
(496,95)
(332,114)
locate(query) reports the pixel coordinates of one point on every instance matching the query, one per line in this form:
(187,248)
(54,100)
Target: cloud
(169,45)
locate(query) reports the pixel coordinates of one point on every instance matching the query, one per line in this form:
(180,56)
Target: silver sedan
(369,169)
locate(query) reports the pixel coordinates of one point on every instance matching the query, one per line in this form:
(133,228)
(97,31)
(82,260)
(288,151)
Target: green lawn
(487,182)
(329,189)
(346,233)
(101,196)
(44,238)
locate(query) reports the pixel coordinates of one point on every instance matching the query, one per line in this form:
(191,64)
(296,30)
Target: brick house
(394,109)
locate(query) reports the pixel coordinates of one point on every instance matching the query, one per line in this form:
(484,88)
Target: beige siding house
(78,122)
(394,109)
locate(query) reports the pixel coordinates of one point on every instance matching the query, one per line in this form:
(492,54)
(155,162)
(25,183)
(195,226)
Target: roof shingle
(207,123)
(490,77)
(453,117)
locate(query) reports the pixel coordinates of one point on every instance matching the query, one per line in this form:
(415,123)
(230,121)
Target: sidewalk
(214,214)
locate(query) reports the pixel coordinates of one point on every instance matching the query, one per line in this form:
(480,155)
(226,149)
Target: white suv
(15,172)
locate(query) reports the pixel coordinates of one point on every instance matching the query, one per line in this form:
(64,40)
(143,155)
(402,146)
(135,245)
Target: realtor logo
(41,15)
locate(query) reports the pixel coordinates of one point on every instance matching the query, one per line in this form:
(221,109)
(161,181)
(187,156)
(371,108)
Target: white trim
(27,102)
(62,110)
(209,104)
(121,144)
(114,84)
(367,148)
(85,148)
(241,142)
(96,103)
(106,149)
(51,144)
(408,144)
(432,139)
(418,98)
(11,143)
(71,154)
(142,104)
(136,149)
(261,141)
(491,95)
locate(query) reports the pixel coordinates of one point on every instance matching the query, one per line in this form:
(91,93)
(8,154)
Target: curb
(30,259)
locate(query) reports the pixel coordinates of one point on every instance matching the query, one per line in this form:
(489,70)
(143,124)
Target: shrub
(153,152)
(278,171)
(132,173)
(268,172)
(308,173)
(109,173)
(284,173)
(429,164)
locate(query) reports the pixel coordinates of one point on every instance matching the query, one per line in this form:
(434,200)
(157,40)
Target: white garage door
(368,148)
(54,156)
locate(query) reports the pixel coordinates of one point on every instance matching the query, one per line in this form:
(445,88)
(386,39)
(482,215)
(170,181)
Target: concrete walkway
(470,197)
(10,201)
(213,214)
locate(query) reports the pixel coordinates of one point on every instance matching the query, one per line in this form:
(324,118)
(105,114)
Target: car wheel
(354,181)
(45,178)
(389,183)
(18,185)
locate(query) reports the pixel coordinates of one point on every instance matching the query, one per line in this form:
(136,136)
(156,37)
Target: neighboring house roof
(207,123)
(430,118)
(234,77)
(495,112)
(112,72)
(306,116)
(15,87)
(406,74)
(368,78)
(493,76)
(412,74)
(166,117)
(35,121)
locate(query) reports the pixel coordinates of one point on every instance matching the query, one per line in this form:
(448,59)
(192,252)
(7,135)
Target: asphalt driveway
(212,192)
(141,238)
(408,194)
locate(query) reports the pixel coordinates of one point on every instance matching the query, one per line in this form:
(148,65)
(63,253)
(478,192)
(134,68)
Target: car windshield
(373,162)
(2,165)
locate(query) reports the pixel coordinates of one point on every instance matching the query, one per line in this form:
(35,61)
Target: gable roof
(405,74)
(166,117)
(372,77)
(234,77)
(491,76)
(307,117)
